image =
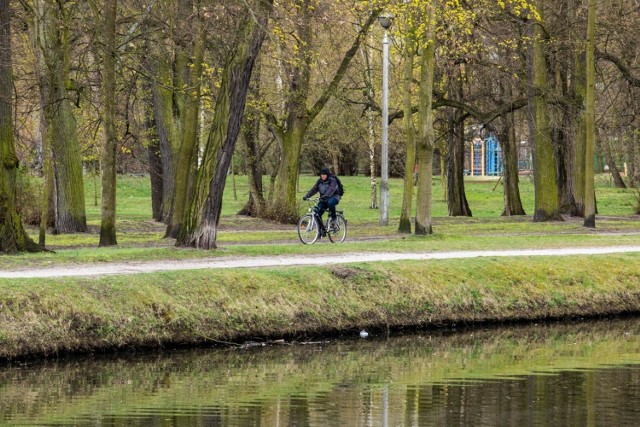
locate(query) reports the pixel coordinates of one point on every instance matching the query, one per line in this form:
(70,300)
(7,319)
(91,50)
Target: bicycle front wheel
(308,229)
(338,232)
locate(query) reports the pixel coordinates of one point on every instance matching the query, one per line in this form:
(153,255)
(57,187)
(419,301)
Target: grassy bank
(234,305)
(58,315)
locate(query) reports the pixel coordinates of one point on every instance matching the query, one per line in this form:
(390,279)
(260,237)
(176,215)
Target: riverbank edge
(44,318)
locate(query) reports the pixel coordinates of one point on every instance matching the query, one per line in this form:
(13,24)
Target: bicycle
(311,227)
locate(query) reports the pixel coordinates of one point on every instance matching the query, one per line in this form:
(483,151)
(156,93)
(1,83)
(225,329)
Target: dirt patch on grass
(345,273)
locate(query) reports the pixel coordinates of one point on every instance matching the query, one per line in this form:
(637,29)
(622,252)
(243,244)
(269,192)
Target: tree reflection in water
(563,374)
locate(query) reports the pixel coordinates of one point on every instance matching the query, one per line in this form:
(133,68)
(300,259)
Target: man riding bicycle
(327,186)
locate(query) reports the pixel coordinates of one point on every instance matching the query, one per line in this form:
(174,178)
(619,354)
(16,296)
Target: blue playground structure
(493,156)
(486,157)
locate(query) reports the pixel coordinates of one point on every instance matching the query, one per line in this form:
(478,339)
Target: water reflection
(582,374)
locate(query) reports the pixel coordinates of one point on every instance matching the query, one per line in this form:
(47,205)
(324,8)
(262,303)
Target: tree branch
(344,65)
(624,70)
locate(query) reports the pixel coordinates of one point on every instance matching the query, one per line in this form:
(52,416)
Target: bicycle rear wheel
(339,233)
(308,229)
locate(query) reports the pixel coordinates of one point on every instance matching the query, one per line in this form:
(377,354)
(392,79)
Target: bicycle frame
(313,209)
(337,232)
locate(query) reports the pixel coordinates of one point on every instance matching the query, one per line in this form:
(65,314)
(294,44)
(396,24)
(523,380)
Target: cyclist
(327,186)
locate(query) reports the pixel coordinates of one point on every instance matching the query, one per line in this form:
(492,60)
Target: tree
(201,223)
(410,135)
(424,144)
(51,38)
(506,46)
(546,194)
(187,152)
(13,238)
(462,54)
(168,67)
(457,198)
(617,103)
(508,143)
(109,52)
(297,116)
(590,119)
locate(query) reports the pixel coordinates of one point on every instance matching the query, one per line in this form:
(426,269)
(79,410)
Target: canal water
(579,374)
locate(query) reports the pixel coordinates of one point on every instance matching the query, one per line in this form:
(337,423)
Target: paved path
(120,268)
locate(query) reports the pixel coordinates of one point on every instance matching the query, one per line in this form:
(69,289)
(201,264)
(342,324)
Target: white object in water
(364,334)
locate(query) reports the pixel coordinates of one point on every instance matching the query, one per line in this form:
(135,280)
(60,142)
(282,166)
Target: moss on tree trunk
(424,146)
(410,135)
(108,222)
(546,192)
(13,238)
(201,221)
(52,41)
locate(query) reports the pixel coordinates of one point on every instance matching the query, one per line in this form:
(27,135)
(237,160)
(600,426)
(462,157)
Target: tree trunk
(457,198)
(187,158)
(579,126)
(283,206)
(560,134)
(167,137)
(561,155)
(590,120)
(613,168)
(251,132)
(255,205)
(546,192)
(508,144)
(635,155)
(201,223)
(410,136)
(167,108)
(153,150)
(13,238)
(424,146)
(70,213)
(47,212)
(631,162)
(108,223)
(151,130)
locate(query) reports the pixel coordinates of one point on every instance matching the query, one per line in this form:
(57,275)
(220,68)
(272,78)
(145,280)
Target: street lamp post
(385,21)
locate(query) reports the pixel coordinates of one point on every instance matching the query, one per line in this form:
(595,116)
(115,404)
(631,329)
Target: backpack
(340,186)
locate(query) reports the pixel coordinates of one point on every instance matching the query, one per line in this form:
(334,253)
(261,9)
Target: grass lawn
(141,238)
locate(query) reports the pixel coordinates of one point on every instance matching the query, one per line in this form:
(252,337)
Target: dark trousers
(330,204)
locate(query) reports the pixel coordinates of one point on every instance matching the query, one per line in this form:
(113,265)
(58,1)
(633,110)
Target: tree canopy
(158,87)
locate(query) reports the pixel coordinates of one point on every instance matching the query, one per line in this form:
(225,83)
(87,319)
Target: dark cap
(325,171)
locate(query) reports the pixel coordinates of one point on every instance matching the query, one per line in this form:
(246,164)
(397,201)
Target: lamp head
(385,20)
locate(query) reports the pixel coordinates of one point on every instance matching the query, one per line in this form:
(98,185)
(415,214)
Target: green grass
(484,195)
(140,238)
(78,314)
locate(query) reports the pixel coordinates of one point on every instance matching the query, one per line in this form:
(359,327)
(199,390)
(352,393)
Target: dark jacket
(327,189)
